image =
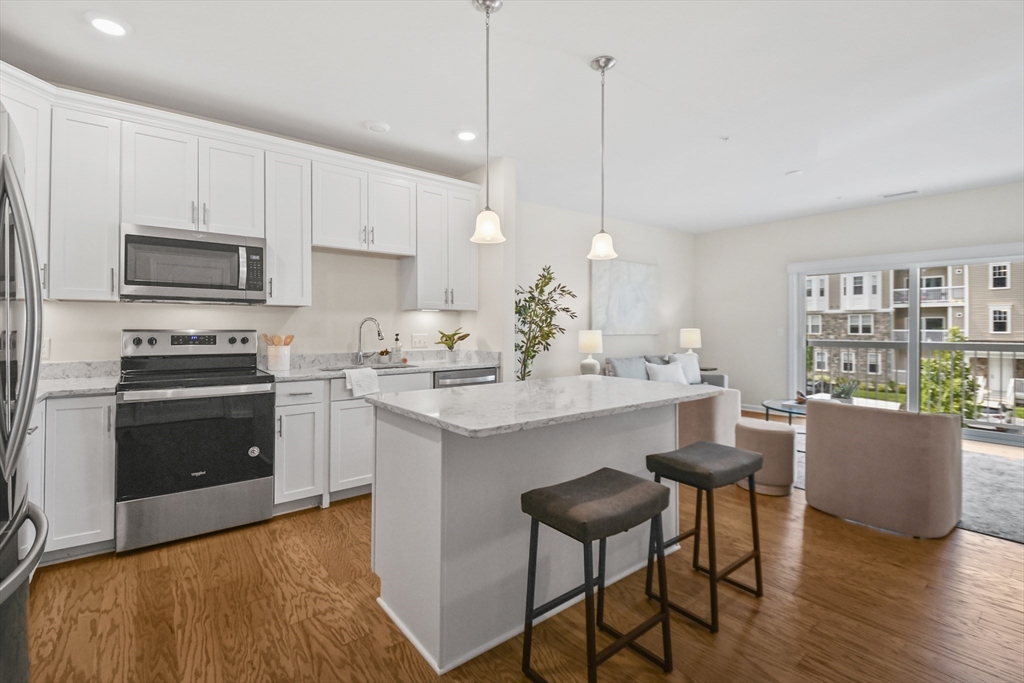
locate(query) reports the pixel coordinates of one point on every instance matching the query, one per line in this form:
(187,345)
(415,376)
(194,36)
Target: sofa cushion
(691,366)
(629,368)
(656,360)
(673,373)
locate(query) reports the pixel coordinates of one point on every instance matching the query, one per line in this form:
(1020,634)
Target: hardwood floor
(294,600)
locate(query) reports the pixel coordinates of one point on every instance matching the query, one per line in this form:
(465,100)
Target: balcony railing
(926,335)
(930,295)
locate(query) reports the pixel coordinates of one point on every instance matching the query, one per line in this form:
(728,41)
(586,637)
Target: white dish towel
(362,381)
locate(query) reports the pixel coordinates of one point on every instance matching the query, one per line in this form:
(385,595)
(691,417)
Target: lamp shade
(591,341)
(601,248)
(488,228)
(689,338)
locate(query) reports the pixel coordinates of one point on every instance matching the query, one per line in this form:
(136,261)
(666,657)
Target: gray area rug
(993,501)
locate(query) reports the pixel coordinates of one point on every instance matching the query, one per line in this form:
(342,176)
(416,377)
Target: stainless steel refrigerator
(21,320)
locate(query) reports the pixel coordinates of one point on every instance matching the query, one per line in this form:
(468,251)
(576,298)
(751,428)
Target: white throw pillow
(673,372)
(690,363)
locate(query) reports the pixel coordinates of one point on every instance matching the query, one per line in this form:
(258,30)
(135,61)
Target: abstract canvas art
(624,297)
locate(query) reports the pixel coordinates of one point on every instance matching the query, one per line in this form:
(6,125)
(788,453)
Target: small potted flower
(450,339)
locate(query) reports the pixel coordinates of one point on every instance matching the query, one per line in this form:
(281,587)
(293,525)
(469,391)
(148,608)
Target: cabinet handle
(372,229)
(109,417)
(445,296)
(46,274)
(31,430)
(280,425)
(193,212)
(364,235)
(206,216)
(453,296)
(301,393)
(111,280)
(271,288)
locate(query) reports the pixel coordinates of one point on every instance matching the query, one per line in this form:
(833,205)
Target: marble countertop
(490,409)
(314,373)
(76,386)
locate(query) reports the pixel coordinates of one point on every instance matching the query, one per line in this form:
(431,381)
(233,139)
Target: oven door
(160,264)
(177,440)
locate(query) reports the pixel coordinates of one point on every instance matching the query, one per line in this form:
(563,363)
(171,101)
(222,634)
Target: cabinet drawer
(299,393)
(388,383)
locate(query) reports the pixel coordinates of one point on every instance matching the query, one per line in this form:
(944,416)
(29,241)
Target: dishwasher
(462,378)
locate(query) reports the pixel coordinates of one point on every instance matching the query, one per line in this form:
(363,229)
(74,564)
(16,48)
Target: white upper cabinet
(339,207)
(84,192)
(230,188)
(444,273)
(159,177)
(289,231)
(463,268)
(392,215)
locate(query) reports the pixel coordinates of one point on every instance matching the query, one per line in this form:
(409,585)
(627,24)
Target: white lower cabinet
(79,489)
(352,444)
(34,470)
(299,452)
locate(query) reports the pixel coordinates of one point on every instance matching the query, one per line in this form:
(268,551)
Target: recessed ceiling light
(108,25)
(796,172)
(467,135)
(377,127)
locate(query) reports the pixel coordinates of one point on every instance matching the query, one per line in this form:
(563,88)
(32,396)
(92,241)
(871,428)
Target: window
(814,324)
(933,323)
(820,360)
(858,285)
(999,276)
(821,287)
(848,361)
(861,324)
(933,281)
(874,285)
(1000,320)
(873,363)
(810,288)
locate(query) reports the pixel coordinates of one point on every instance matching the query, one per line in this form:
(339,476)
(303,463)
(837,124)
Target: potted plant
(536,310)
(450,339)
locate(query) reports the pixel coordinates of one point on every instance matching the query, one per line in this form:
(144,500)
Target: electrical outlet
(45,355)
(419,341)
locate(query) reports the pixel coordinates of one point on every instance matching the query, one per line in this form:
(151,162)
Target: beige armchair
(710,419)
(889,469)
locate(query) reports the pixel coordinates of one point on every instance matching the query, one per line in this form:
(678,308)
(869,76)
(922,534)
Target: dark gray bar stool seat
(707,466)
(592,508)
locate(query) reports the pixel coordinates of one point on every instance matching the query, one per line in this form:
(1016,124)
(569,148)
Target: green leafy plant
(450,339)
(845,388)
(536,310)
(948,384)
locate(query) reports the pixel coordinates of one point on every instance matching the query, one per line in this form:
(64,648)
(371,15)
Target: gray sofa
(635,368)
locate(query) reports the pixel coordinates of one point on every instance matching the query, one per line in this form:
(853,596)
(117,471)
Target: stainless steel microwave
(167,264)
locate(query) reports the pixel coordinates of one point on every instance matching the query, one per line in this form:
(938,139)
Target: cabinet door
(289,231)
(230,188)
(299,453)
(84,210)
(392,215)
(463,269)
(339,207)
(79,492)
(30,114)
(33,470)
(159,177)
(352,444)
(431,253)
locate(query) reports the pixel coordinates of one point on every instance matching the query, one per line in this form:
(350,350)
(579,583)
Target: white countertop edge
(315,373)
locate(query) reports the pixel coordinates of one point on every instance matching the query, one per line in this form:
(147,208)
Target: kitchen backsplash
(301,361)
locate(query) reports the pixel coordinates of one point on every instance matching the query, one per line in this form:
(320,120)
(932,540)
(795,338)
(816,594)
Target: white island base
(450,541)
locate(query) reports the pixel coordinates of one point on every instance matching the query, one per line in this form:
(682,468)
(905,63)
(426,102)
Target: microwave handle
(243,267)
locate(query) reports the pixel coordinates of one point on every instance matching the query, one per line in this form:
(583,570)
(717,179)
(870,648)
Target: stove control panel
(187,342)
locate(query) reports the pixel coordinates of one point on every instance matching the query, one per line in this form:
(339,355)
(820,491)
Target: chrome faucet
(363,355)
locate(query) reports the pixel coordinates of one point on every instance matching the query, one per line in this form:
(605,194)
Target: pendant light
(488,225)
(601,248)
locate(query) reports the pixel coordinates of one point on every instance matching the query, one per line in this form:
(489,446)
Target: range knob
(245,340)
(232,340)
(137,341)
(151,341)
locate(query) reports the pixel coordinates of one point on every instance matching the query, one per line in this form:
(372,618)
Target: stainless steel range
(195,435)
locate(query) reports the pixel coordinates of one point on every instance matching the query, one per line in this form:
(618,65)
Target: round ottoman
(776,442)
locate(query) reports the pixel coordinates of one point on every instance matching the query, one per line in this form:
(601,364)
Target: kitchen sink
(339,368)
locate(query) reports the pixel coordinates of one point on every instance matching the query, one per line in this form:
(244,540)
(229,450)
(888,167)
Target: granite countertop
(318,373)
(490,409)
(76,386)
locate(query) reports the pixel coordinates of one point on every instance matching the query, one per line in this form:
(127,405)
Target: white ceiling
(867,98)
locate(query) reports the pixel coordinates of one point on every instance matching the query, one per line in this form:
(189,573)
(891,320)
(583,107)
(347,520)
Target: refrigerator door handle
(25,568)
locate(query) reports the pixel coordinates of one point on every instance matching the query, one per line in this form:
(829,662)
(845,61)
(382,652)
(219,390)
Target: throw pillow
(690,363)
(673,372)
(656,360)
(630,368)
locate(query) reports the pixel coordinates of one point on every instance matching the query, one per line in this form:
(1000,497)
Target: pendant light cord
(602,150)
(487,115)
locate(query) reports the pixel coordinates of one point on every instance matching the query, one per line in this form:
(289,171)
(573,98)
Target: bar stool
(592,508)
(707,466)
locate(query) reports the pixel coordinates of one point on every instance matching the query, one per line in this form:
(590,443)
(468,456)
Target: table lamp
(590,343)
(689,338)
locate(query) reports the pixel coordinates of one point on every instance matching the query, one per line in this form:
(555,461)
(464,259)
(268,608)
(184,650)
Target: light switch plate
(45,355)
(419,341)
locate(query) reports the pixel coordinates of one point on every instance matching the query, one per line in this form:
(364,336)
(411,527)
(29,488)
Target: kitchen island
(450,542)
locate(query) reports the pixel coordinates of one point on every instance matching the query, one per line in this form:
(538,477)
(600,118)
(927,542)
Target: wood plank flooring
(294,600)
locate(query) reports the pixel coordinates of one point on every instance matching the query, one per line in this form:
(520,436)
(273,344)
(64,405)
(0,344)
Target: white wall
(561,239)
(346,289)
(741,286)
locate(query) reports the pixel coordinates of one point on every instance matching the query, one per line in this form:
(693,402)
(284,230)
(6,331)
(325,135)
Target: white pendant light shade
(601,248)
(488,228)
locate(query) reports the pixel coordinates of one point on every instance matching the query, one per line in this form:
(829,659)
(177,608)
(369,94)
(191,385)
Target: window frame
(860,323)
(992,319)
(823,356)
(940,278)
(854,285)
(877,363)
(810,317)
(848,357)
(991,275)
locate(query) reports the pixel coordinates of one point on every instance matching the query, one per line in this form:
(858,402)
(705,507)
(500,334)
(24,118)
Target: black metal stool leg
(757,537)
(696,533)
(600,581)
(666,632)
(588,591)
(712,566)
(531,586)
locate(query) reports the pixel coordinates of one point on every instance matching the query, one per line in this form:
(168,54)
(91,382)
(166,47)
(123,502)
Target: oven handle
(192,392)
